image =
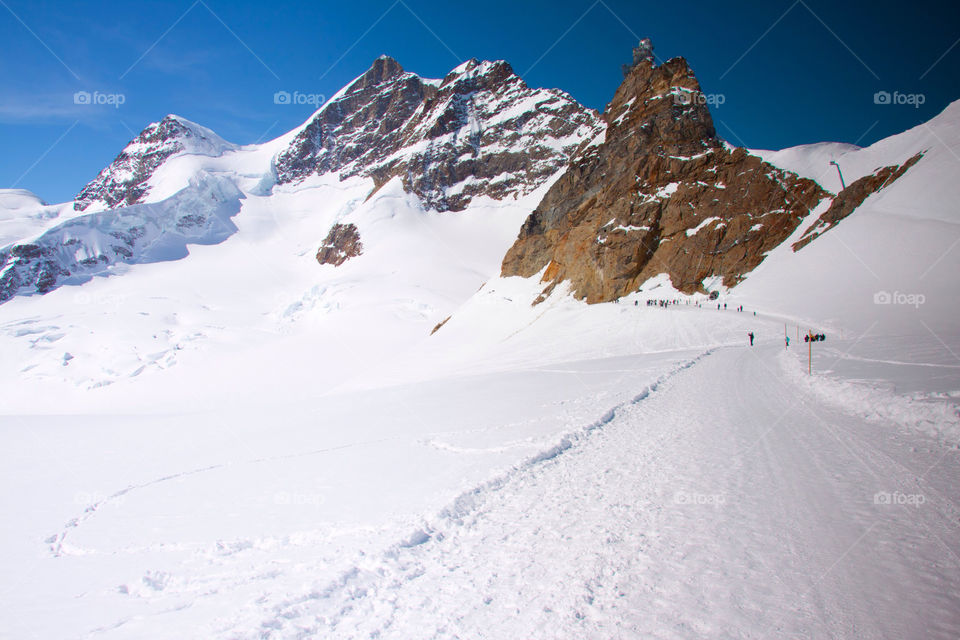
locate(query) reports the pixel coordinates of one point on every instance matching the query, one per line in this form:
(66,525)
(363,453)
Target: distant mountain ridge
(646,188)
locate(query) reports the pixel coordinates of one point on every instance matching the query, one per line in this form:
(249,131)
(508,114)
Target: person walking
(751,338)
(786,342)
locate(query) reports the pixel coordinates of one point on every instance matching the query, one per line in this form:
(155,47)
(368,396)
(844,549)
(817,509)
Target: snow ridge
(89,245)
(939,420)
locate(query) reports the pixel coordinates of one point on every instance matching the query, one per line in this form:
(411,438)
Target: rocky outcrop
(127,180)
(659,194)
(341,244)
(479,131)
(852,197)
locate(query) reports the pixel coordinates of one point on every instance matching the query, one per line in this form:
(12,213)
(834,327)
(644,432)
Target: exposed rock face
(341,244)
(852,197)
(479,131)
(661,194)
(126,180)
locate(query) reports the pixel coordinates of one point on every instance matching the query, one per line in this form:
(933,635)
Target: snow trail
(726,503)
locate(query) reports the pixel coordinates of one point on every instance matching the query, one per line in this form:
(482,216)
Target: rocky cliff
(478,131)
(661,193)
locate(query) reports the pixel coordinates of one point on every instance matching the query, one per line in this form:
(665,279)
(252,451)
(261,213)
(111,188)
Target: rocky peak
(662,104)
(479,131)
(126,180)
(660,194)
(486,75)
(383,68)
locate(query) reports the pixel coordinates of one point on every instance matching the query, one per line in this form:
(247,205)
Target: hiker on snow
(751,338)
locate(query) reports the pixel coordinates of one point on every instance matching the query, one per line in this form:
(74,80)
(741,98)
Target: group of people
(663,303)
(658,303)
(810,337)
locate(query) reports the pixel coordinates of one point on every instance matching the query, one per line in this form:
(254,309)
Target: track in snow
(725,504)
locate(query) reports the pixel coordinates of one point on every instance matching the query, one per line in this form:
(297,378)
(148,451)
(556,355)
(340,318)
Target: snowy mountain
(426,183)
(651,189)
(899,239)
(396,374)
(84,246)
(478,131)
(132,176)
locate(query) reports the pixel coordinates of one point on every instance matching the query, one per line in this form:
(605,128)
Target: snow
(241,443)
(702,225)
(667,191)
(23,214)
(343,505)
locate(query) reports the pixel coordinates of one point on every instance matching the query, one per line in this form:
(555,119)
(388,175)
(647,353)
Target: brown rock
(341,244)
(852,197)
(662,194)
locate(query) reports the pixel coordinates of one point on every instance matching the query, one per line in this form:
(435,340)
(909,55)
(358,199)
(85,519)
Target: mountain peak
(382,70)
(127,180)
(661,180)
(474,67)
(479,131)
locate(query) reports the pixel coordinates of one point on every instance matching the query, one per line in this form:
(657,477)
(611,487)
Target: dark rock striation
(478,132)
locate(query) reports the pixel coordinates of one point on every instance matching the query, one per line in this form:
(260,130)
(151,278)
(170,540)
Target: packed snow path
(723,504)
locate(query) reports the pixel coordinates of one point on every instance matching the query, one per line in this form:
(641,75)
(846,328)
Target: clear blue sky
(791,71)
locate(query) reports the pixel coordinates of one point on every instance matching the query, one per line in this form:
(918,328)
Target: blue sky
(790,72)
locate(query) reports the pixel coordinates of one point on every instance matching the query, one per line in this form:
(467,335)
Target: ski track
(671,516)
(56,541)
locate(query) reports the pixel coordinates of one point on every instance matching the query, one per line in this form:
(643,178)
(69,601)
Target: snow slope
(901,241)
(675,517)
(687,493)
